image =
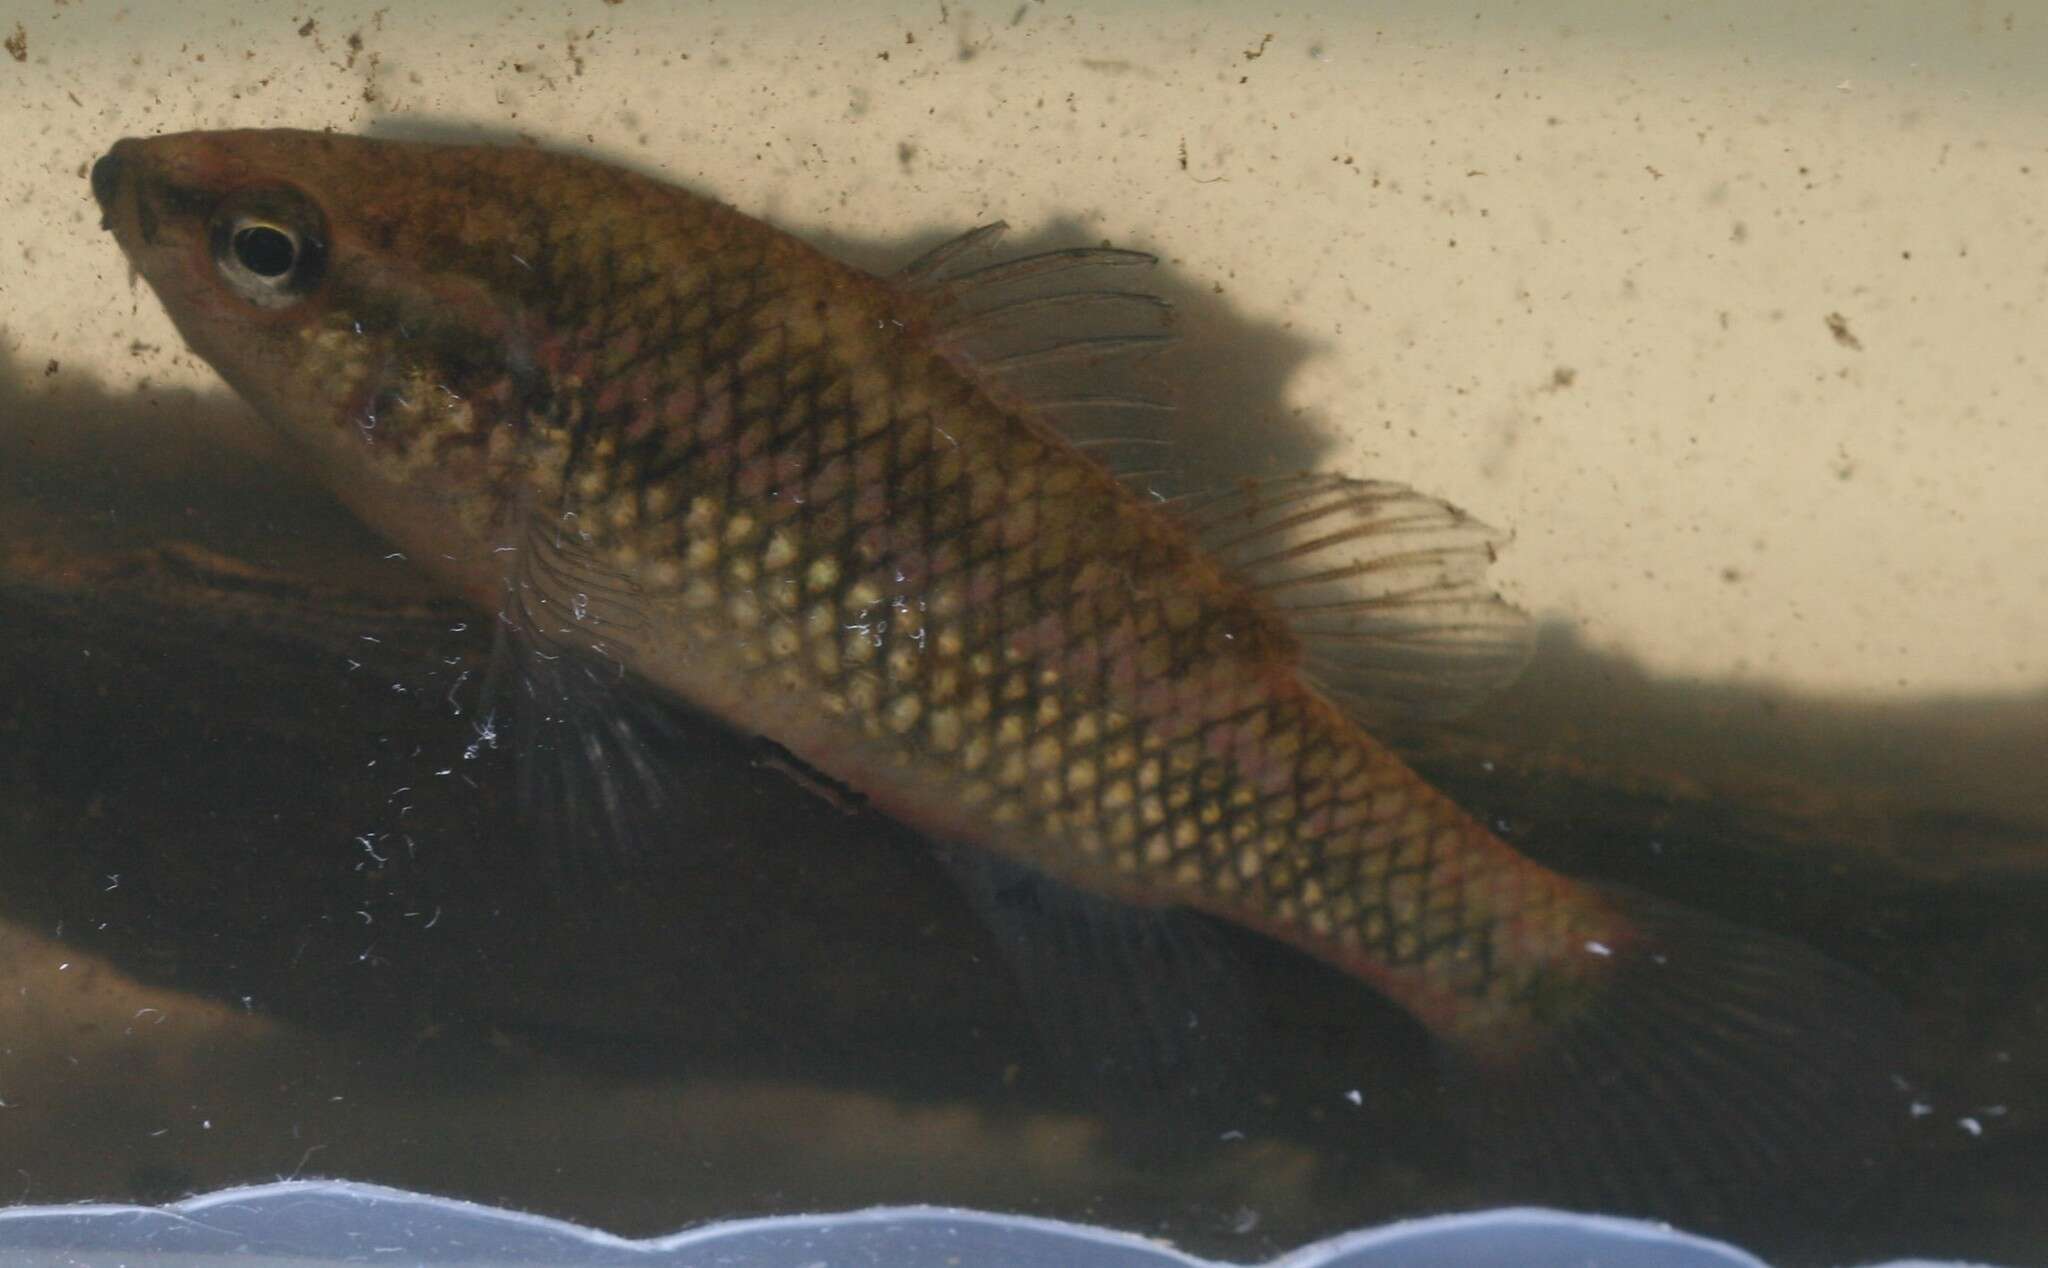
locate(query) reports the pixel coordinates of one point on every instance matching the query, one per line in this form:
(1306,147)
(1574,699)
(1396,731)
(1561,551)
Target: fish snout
(108,175)
(126,184)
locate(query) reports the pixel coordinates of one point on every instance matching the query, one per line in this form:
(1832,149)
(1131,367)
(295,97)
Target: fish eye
(265,250)
(269,246)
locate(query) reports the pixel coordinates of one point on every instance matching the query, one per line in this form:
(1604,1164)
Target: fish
(675,450)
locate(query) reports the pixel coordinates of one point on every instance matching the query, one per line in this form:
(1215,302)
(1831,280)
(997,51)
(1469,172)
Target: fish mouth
(118,187)
(159,178)
(108,176)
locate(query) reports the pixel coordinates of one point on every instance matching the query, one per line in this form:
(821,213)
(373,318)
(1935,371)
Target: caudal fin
(1721,1076)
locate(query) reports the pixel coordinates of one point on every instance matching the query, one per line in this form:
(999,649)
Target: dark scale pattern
(1001,640)
(748,472)
(651,432)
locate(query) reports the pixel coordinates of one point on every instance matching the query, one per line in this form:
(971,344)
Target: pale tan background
(1571,265)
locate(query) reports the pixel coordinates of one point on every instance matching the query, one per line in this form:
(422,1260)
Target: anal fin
(1135,1006)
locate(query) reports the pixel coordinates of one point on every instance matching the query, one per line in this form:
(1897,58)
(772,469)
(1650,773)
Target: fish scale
(845,512)
(1007,704)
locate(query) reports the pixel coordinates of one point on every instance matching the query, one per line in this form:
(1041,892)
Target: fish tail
(1700,1072)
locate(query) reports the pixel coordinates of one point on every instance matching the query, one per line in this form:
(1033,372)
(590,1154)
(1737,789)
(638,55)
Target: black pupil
(265,251)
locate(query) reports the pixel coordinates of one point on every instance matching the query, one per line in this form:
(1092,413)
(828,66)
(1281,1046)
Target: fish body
(653,433)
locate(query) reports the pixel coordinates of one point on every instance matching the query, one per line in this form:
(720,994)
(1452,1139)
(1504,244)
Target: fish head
(367,297)
(236,250)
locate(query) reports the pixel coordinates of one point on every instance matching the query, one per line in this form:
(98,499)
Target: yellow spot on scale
(703,516)
(975,753)
(739,528)
(862,595)
(944,729)
(1045,753)
(783,640)
(700,554)
(902,662)
(781,551)
(700,593)
(823,574)
(744,610)
(902,713)
(1080,777)
(1010,773)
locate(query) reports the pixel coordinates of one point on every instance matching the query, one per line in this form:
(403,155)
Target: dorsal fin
(1059,336)
(1384,586)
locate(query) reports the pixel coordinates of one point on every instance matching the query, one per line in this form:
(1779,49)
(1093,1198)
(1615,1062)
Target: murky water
(1731,321)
